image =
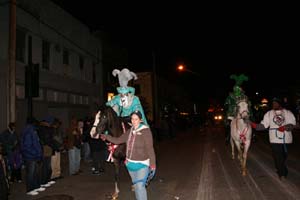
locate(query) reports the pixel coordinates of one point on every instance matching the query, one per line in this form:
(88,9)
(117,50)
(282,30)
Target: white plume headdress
(124,76)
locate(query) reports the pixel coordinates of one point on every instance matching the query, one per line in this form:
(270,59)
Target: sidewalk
(84,186)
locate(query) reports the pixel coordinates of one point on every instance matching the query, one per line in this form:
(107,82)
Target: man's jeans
(86,151)
(32,175)
(46,170)
(139,188)
(74,160)
(55,165)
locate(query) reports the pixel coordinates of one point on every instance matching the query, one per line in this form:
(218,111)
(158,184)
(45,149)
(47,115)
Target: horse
(241,133)
(108,122)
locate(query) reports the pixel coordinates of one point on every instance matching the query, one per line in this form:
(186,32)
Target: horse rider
(126,101)
(231,101)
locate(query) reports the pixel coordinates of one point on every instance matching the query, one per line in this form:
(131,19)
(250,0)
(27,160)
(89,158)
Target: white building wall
(43,20)
(4,34)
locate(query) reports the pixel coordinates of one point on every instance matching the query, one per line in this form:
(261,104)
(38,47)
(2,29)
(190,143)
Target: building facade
(69,57)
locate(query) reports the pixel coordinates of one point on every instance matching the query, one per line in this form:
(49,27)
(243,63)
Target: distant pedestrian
(32,154)
(9,140)
(74,146)
(4,185)
(16,163)
(58,138)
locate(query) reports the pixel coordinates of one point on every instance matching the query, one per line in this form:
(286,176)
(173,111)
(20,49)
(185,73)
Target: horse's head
(109,121)
(242,109)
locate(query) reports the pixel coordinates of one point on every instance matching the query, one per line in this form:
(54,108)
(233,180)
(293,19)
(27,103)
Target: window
(45,54)
(94,73)
(66,57)
(81,63)
(20,45)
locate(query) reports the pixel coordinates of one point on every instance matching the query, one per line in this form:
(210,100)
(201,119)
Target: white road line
(262,196)
(289,158)
(205,186)
(288,187)
(233,192)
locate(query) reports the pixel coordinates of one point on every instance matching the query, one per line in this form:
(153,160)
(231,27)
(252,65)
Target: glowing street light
(182,68)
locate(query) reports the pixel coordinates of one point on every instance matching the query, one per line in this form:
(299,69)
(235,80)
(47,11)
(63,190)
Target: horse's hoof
(115,196)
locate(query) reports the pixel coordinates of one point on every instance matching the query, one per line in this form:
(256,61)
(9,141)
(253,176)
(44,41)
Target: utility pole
(156,111)
(12,63)
(28,80)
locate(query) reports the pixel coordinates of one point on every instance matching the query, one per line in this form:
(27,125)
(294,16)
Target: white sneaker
(46,185)
(32,193)
(41,189)
(51,182)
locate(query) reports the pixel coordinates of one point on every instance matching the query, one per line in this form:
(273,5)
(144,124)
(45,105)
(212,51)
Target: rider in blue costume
(126,102)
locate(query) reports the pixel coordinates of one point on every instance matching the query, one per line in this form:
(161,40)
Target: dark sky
(214,41)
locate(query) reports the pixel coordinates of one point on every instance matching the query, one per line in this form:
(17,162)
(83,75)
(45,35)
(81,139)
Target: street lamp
(182,68)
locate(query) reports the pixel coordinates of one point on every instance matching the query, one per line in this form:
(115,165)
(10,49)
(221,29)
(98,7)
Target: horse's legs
(245,153)
(117,179)
(232,148)
(238,146)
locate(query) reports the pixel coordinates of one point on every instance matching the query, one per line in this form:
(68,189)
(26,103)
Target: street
(195,165)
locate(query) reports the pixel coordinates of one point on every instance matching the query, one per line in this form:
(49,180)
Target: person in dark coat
(4,186)
(99,153)
(32,155)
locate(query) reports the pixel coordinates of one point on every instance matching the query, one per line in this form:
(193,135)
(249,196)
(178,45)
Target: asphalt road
(195,165)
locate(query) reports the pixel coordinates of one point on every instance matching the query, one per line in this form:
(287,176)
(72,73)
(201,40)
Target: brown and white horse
(241,133)
(107,121)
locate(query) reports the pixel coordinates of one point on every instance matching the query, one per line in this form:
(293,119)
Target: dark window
(94,73)
(20,45)
(137,89)
(46,54)
(81,63)
(66,57)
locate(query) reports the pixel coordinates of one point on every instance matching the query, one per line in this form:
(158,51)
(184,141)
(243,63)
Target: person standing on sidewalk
(4,185)
(280,122)
(58,147)
(74,146)
(140,155)
(46,133)
(32,155)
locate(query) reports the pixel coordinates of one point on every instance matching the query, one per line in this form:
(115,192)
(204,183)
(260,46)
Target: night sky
(213,41)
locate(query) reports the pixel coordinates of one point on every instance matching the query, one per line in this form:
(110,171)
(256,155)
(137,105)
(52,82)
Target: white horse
(241,133)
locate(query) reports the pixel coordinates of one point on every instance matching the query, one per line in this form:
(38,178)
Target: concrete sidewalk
(83,186)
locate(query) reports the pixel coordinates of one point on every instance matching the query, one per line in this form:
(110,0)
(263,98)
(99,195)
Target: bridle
(240,113)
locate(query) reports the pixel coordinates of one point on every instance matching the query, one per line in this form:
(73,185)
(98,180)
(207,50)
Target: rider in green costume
(232,99)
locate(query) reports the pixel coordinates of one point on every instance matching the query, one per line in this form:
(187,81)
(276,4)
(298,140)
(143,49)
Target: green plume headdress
(239,79)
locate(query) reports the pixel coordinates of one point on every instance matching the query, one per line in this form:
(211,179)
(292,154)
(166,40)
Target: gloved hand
(253,125)
(97,119)
(281,128)
(151,174)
